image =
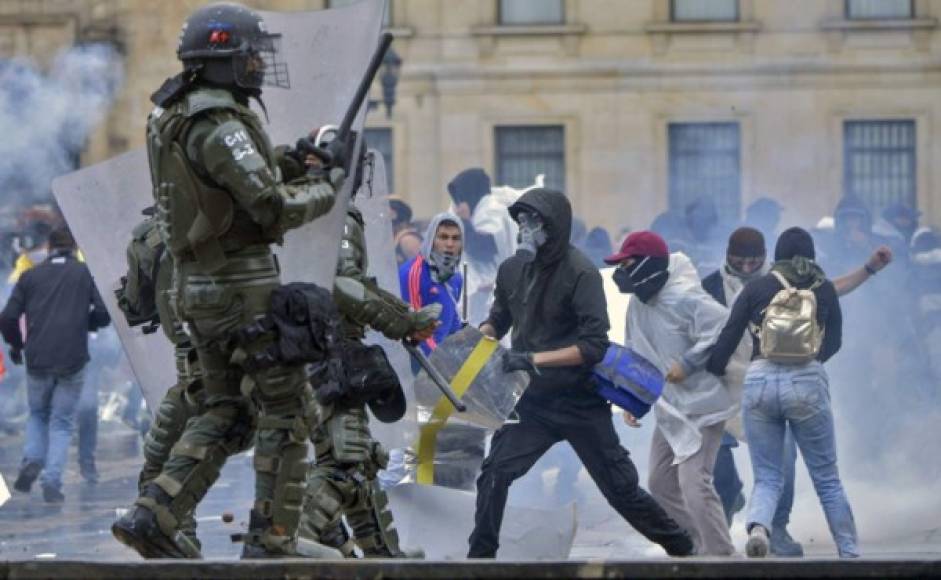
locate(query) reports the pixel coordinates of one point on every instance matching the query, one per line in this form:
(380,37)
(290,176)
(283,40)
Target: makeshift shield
(103,203)
(471,363)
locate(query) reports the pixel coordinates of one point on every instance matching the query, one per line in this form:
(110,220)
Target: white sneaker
(757,546)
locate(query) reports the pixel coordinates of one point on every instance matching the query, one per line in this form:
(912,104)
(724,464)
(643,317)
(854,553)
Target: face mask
(532,235)
(443,265)
(623,280)
(644,288)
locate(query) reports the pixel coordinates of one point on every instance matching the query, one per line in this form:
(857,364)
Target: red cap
(640,244)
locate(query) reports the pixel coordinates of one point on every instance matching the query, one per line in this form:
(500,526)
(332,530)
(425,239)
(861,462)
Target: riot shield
(448,440)
(372,201)
(102,203)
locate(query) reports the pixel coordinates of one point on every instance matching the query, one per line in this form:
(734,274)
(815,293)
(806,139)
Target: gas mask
(443,265)
(642,279)
(532,235)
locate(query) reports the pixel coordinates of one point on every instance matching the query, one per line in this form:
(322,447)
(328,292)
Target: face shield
(261,64)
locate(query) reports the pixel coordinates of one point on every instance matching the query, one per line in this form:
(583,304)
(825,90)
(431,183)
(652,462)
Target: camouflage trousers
(344,482)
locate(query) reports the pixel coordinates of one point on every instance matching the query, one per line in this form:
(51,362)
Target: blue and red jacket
(419,290)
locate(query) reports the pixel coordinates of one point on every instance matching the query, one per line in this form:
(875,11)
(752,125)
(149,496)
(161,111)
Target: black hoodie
(554,302)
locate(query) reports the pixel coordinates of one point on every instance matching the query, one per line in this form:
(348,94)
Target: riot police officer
(221,202)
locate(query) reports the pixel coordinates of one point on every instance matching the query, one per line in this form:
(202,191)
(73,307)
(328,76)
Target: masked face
(744,268)
(643,277)
(532,235)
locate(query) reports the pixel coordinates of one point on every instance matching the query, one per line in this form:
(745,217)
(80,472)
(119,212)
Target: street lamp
(389,79)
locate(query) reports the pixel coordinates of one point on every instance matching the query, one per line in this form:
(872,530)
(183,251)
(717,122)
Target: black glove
(519,361)
(16,355)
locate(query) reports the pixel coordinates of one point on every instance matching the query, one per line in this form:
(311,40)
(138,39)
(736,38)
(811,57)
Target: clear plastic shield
(372,201)
(103,203)
(450,445)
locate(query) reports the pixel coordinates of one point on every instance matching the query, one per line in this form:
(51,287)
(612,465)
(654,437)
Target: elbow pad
(371,306)
(305,203)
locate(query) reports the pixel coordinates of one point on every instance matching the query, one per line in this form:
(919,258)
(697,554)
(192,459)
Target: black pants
(515,448)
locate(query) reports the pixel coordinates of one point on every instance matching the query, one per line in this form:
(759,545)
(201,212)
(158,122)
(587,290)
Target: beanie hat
(747,243)
(794,242)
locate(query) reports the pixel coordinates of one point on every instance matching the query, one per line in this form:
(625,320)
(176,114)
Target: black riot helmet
(228,44)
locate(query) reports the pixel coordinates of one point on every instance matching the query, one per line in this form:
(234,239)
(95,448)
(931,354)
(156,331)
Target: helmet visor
(261,65)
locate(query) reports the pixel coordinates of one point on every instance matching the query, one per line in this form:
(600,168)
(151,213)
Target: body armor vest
(199,220)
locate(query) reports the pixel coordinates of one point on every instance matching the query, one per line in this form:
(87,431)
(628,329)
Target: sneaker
(52,494)
(28,474)
(757,546)
(783,545)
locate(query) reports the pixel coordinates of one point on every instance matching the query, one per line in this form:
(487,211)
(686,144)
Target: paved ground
(78,530)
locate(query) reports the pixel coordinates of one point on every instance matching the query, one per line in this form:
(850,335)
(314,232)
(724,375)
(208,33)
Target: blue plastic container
(628,380)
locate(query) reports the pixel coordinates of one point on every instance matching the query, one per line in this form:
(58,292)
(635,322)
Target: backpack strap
(782,280)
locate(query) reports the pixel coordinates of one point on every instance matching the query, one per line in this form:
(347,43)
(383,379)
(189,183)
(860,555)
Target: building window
(879,162)
(705,162)
(879,9)
(523,12)
(523,152)
(380,139)
(704,10)
(386,15)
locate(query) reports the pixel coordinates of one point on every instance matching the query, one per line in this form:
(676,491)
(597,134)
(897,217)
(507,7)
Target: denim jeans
(777,397)
(88,423)
(53,400)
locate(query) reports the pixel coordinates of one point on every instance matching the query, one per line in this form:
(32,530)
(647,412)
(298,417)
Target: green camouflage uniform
(221,202)
(344,479)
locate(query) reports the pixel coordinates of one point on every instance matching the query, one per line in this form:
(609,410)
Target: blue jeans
(777,397)
(53,400)
(88,423)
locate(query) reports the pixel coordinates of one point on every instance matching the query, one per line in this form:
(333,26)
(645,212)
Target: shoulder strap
(782,280)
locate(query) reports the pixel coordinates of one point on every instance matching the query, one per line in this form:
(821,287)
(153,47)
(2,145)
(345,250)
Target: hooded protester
(432,277)
(552,298)
(598,246)
(794,394)
(672,322)
(489,235)
(746,261)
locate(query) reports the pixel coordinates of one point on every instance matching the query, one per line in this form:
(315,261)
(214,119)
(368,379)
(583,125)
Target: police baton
(436,377)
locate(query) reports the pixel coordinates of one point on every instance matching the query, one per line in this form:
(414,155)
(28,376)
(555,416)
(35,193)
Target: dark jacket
(714,286)
(61,306)
(750,307)
(554,302)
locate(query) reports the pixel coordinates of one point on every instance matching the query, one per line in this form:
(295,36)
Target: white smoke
(47,117)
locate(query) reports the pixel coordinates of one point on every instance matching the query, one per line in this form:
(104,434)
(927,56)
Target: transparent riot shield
(450,442)
(327,52)
(372,201)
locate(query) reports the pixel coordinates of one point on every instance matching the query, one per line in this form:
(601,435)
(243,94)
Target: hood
(851,205)
(556,212)
(683,274)
(469,185)
(428,241)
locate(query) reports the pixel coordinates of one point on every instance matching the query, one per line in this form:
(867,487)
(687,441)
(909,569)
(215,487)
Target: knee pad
(323,504)
(283,457)
(350,439)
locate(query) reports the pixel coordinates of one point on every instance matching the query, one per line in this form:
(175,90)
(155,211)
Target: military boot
(140,528)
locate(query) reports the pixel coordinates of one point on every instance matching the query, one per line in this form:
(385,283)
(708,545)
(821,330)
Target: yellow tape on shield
(428,435)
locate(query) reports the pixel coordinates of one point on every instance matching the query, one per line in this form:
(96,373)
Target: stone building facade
(631,106)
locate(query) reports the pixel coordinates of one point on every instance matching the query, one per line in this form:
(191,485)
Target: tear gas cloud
(47,117)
